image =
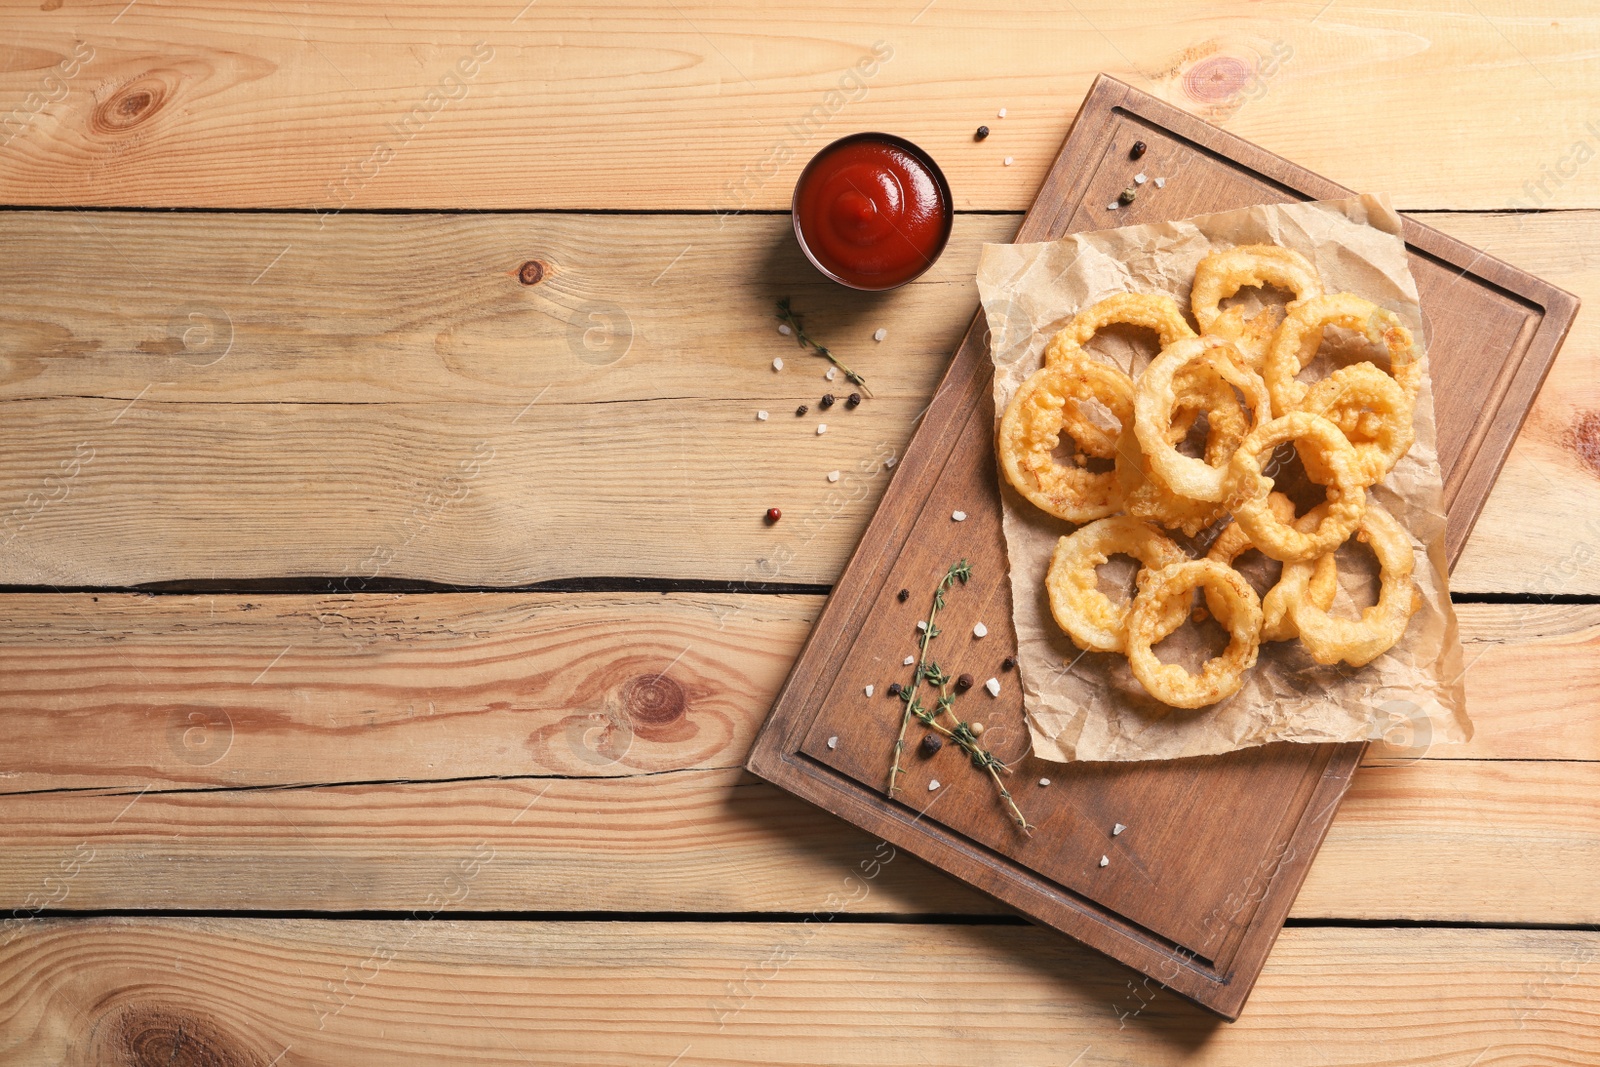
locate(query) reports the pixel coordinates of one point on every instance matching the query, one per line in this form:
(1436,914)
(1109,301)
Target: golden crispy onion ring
(1301,335)
(1222,274)
(1371,409)
(1153,311)
(1249,489)
(1359,641)
(1276,622)
(1092,621)
(1240,613)
(1032,427)
(1155,400)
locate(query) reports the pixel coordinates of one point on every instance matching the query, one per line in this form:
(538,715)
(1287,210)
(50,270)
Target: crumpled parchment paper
(1088,706)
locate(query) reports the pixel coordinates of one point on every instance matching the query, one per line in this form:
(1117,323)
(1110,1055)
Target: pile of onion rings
(1243,377)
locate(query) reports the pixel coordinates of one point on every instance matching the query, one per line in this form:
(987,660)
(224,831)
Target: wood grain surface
(716,107)
(345,415)
(358,993)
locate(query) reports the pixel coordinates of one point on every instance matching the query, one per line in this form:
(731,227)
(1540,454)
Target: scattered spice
(787,316)
(933,785)
(831,373)
(822,428)
(777,364)
(761,416)
(1161,183)
(833,742)
(930,745)
(1113,206)
(833,476)
(1002,112)
(1129,195)
(976,728)
(869,690)
(1117,829)
(783,328)
(908,661)
(903,595)
(1137,150)
(958,516)
(773,514)
(1104,860)
(826,402)
(922,626)
(961,733)
(894,689)
(980,630)
(880,334)
(963,683)
(1044,782)
(853,400)
(982,132)
(1008,161)
(801,410)
(1008,663)
(1140,179)
(993,686)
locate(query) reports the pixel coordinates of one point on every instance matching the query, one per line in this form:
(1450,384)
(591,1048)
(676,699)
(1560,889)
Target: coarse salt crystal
(1117,829)
(822,428)
(1104,860)
(1008,161)
(891,461)
(922,626)
(980,630)
(833,476)
(833,742)
(869,690)
(993,686)
(909,660)
(933,785)
(1002,112)
(1113,206)
(1140,179)
(1161,183)
(1044,781)
(879,334)
(783,328)
(777,364)
(959,516)
(761,415)
(833,372)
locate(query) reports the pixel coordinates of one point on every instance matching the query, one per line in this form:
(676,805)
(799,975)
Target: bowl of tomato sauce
(872,211)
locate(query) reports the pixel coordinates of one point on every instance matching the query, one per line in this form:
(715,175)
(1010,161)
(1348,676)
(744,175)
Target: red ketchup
(872,211)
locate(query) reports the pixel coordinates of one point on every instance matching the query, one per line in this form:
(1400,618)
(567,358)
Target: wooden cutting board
(1197,887)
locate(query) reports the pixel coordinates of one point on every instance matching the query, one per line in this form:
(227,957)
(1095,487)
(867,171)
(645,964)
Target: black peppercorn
(1137,150)
(930,745)
(964,682)
(801,410)
(1008,663)
(894,689)
(983,131)
(852,400)
(903,595)
(827,401)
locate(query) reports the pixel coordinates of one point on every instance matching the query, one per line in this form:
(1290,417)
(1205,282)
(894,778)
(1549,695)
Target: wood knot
(531,272)
(1584,440)
(133,104)
(652,703)
(156,1036)
(1217,79)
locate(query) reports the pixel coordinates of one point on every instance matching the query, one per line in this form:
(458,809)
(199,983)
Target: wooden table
(388,606)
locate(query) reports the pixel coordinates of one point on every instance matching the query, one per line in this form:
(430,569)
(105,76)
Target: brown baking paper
(1088,706)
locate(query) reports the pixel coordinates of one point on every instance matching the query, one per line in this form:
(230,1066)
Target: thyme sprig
(960,732)
(786,315)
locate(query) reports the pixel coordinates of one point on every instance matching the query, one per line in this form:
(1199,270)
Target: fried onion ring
(1032,428)
(1240,613)
(1222,274)
(1276,622)
(1249,489)
(1360,641)
(1153,311)
(1155,399)
(1087,615)
(1301,335)
(1372,410)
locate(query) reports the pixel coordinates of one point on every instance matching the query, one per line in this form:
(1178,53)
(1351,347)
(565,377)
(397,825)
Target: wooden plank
(442,992)
(713,107)
(128,691)
(1436,840)
(261,398)
(1494,332)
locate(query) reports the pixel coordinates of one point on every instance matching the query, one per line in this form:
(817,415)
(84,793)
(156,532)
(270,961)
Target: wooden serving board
(1216,848)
